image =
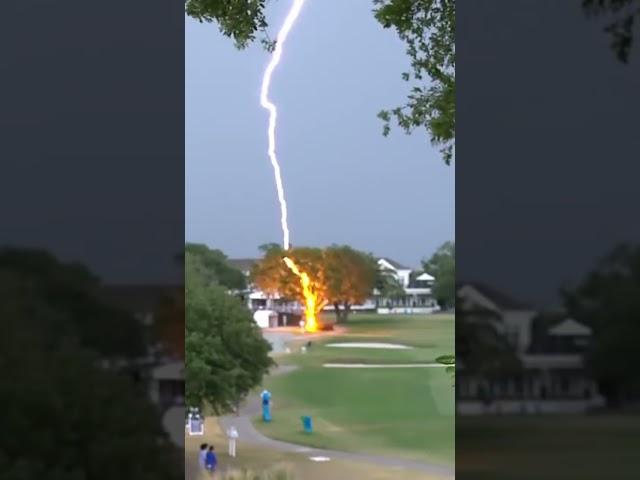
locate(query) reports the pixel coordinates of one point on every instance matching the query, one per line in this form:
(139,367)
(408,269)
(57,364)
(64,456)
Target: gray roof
(394,264)
(500,299)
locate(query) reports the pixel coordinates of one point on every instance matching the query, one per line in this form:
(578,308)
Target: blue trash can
(307,424)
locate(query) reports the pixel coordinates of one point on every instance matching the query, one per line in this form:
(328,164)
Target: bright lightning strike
(310,297)
(273,112)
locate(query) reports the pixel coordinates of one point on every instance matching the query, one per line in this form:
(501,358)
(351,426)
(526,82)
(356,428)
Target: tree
(620,29)
(427,27)
(481,347)
(273,276)
(442,265)
(73,291)
(212,267)
(339,275)
(226,354)
(608,300)
(387,283)
(79,420)
(351,276)
(482,350)
(237,19)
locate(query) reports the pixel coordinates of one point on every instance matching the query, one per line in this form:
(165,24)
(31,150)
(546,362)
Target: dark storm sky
(345,182)
(91,139)
(547,143)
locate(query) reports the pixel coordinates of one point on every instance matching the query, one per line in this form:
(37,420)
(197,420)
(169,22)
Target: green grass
(263,460)
(399,412)
(550,447)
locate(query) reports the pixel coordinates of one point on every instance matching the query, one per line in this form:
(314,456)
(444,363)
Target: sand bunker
(390,346)
(390,365)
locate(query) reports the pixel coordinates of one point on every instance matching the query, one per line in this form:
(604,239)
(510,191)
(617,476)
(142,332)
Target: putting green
(401,412)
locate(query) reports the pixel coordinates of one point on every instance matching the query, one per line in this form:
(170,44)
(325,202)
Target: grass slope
(399,412)
(258,459)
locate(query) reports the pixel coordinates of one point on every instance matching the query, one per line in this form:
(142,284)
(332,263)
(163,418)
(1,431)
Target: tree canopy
(351,276)
(622,16)
(387,283)
(72,292)
(78,419)
(240,20)
(442,265)
(608,300)
(427,28)
(211,267)
(339,275)
(226,355)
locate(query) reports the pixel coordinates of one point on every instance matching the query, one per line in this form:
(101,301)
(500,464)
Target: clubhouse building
(549,352)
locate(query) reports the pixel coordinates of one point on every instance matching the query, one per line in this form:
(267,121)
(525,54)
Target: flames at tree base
(310,297)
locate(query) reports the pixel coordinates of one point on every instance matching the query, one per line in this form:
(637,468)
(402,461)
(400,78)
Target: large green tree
(273,276)
(73,292)
(608,300)
(63,414)
(387,283)
(351,277)
(442,265)
(211,266)
(226,354)
(339,274)
(427,28)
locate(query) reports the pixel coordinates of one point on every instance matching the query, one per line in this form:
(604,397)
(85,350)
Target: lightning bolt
(273,112)
(308,292)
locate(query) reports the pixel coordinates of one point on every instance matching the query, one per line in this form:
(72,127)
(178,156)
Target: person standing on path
(202,455)
(265,396)
(211,461)
(232,433)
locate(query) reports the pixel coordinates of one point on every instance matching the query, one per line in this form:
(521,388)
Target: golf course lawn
(257,459)
(592,447)
(400,412)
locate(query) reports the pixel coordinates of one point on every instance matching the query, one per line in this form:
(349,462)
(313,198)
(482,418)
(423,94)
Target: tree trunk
(342,314)
(336,307)
(345,312)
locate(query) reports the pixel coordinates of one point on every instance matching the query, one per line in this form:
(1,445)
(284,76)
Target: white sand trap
(319,459)
(390,346)
(390,365)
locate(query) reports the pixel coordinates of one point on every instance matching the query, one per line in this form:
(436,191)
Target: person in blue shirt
(211,461)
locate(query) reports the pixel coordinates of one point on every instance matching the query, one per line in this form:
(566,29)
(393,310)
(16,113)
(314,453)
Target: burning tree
(316,277)
(294,274)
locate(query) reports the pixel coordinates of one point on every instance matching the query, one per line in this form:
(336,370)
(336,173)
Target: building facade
(549,349)
(415,295)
